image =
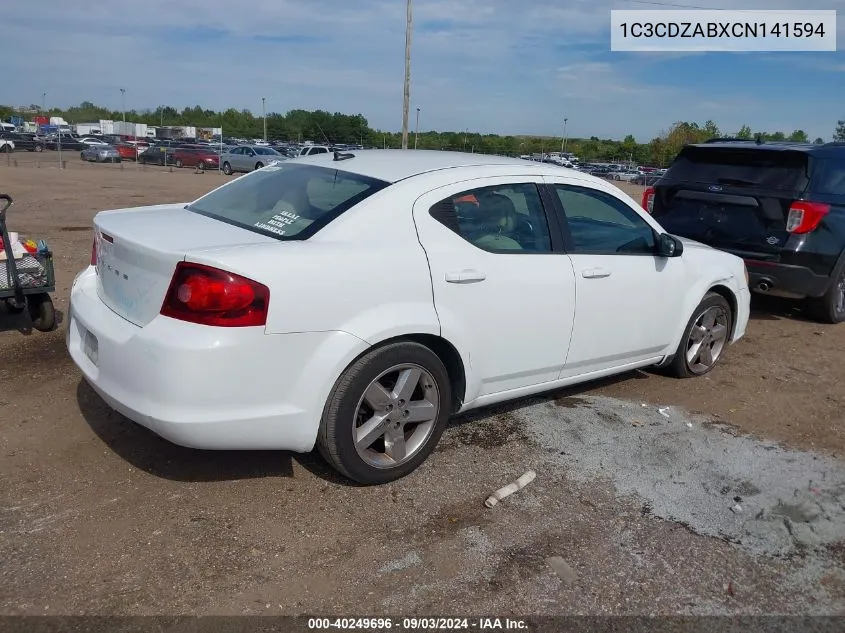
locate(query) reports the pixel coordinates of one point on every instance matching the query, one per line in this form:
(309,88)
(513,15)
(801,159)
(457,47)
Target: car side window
(502,218)
(601,224)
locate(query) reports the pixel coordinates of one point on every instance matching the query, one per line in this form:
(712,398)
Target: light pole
(123,100)
(417,131)
(563,143)
(43,101)
(406,105)
(264,116)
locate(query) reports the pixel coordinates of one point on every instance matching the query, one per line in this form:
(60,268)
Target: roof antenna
(325,138)
(339,156)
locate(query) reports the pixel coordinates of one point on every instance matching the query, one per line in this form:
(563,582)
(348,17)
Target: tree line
(321,126)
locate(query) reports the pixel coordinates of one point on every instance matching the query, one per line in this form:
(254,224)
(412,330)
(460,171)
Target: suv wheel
(830,308)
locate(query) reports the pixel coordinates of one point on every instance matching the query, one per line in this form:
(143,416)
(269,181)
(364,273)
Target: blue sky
(488,65)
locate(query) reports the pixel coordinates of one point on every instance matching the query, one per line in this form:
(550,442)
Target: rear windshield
(767,169)
(829,176)
(287,200)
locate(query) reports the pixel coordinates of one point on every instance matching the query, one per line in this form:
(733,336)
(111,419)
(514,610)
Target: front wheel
(39,148)
(705,338)
(179,163)
(259,165)
(81,156)
(227,169)
(386,413)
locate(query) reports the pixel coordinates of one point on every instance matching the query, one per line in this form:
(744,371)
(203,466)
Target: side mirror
(669,246)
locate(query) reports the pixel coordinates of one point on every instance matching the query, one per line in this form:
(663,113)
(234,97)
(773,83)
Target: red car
(196,157)
(127,151)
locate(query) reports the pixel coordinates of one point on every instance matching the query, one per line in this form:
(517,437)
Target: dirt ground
(98,516)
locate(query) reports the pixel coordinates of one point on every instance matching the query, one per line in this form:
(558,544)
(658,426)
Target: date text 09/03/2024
(417,624)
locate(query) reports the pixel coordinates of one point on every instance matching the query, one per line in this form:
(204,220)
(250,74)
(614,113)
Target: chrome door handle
(595,273)
(465,277)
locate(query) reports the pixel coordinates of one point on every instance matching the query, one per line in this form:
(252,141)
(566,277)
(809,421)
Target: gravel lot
(724,495)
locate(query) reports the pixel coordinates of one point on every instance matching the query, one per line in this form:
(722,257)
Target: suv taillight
(648,199)
(805,216)
(210,296)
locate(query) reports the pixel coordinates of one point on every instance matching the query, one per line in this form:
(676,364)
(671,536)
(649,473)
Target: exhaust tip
(764,285)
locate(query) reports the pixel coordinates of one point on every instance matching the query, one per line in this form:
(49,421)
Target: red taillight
(94,251)
(805,216)
(648,199)
(210,296)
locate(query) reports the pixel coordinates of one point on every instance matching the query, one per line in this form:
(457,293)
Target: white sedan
(356,301)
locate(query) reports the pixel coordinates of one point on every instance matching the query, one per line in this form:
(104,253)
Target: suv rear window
(829,176)
(287,201)
(782,170)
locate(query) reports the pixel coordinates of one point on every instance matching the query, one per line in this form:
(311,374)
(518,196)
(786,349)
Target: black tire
(41,312)
(830,307)
(679,366)
(39,148)
(227,168)
(160,162)
(82,156)
(178,163)
(259,165)
(7,149)
(335,437)
(11,308)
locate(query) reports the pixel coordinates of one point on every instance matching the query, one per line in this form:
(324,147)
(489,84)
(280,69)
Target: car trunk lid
(138,249)
(734,199)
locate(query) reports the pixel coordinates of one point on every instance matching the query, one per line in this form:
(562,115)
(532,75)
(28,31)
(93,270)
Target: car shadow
(769,308)
(148,452)
(161,458)
(20,321)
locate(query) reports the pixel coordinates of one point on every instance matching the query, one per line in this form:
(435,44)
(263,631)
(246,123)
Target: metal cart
(26,283)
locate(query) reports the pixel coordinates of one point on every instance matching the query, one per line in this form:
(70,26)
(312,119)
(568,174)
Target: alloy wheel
(396,416)
(707,339)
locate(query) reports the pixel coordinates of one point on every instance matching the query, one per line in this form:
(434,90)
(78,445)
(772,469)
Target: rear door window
(287,201)
(781,170)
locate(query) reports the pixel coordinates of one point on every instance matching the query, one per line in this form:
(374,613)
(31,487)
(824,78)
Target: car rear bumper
(785,279)
(207,387)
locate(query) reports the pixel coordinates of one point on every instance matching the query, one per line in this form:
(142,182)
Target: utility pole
(264,116)
(417,131)
(123,100)
(563,144)
(43,102)
(406,105)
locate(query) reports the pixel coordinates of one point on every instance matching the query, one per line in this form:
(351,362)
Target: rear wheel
(179,162)
(39,148)
(259,165)
(830,308)
(81,156)
(227,169)
(386,413)
(705,338)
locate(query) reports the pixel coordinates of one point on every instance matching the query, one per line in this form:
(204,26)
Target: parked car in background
(157,155)
(627,175)
(246,158)
(127,151)
(313,150)
(65,142)
(91,140)
(201,157)
(780,206)
(278,290)
(100,154)
(22,141)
